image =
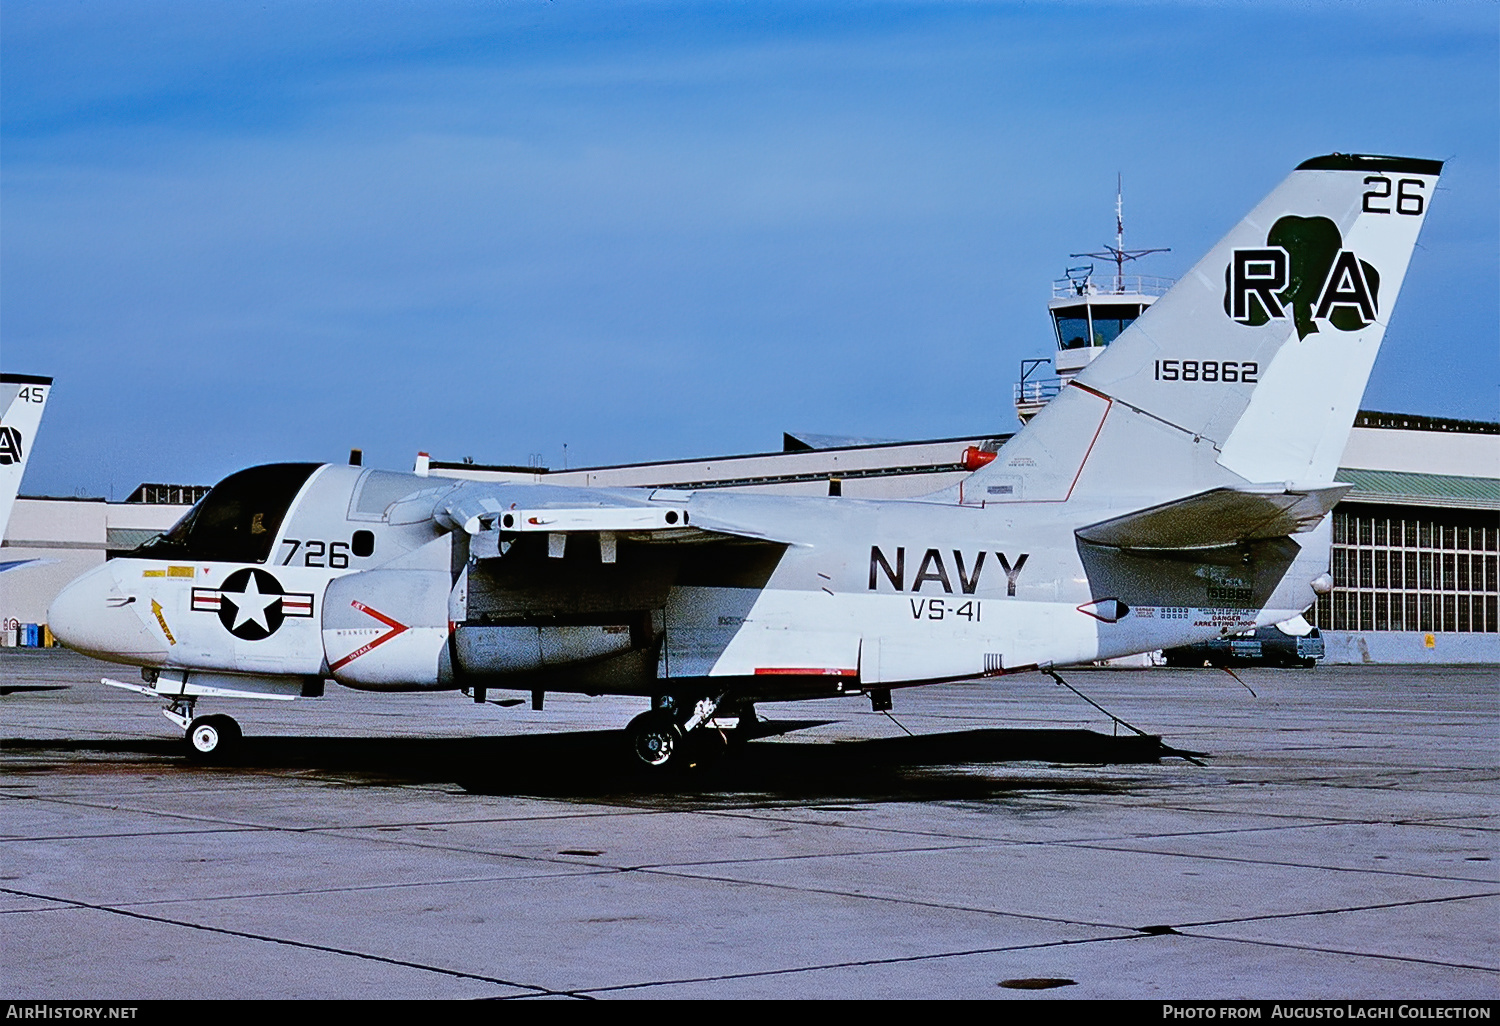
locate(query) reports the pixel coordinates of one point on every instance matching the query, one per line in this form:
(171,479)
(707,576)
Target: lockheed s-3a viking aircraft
(1178,489)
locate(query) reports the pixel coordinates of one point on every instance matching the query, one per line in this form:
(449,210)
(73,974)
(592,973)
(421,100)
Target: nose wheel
(212,738)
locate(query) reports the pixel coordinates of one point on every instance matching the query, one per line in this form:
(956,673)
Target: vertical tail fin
(22,399)
(1251,368)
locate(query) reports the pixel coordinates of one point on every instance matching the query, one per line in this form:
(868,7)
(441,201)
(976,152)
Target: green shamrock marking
(1312,243)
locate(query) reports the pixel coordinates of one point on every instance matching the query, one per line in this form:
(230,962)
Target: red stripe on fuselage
(802,671)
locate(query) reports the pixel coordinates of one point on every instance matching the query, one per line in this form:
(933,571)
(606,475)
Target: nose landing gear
(209,738)
(212,738)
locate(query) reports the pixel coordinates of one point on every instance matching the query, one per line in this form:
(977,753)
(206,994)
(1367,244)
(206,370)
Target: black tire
(656,741)
(212,738)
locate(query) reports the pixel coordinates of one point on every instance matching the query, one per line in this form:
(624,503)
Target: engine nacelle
(387,630)
(497,650)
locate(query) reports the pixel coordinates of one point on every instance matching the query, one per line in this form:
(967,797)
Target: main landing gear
(655,737)
(674,735)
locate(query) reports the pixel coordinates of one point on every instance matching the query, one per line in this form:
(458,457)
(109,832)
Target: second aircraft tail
(22,399)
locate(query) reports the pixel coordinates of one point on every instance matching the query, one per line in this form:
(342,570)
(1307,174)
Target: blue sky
(239,233)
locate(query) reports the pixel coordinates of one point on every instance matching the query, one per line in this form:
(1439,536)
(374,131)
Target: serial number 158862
(1207,370)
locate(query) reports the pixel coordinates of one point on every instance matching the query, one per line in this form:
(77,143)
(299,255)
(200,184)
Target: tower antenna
(1118,253)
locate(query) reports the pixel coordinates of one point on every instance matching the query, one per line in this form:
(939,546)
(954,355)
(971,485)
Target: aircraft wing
(1218,517)
(487,512)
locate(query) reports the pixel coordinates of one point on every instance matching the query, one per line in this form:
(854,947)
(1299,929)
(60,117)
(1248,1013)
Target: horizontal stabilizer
(1218,517)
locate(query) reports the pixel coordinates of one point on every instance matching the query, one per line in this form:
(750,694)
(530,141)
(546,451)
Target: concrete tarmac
(1338,841)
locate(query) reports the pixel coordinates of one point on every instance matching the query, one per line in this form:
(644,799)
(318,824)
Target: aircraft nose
(95,616)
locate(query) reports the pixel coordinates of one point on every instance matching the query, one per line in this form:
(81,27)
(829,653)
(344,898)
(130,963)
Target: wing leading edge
(492,513)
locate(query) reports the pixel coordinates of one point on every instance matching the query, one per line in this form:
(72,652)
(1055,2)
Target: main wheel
(211,738)
(655,738)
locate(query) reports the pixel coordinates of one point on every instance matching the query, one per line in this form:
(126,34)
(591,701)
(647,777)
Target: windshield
(237,520)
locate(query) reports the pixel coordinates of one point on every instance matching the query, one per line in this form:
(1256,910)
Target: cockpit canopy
(237,521)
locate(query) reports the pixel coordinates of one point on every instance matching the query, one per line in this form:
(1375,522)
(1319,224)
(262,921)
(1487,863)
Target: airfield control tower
(1088,312)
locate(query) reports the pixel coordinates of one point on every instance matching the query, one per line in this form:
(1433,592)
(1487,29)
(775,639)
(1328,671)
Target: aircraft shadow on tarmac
(596,765)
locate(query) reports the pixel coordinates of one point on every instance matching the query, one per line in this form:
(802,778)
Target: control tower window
(237,520)
(1110,321)
(1072,331)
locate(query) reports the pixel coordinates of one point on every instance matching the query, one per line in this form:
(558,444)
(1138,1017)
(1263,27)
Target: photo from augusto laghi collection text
(1327,1010)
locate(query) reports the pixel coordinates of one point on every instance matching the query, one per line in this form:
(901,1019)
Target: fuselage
(327,571)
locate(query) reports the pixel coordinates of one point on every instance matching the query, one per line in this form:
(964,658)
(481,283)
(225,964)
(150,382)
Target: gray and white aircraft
(1178,489)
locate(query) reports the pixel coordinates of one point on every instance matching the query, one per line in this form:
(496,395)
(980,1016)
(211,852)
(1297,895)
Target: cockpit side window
(237,521)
